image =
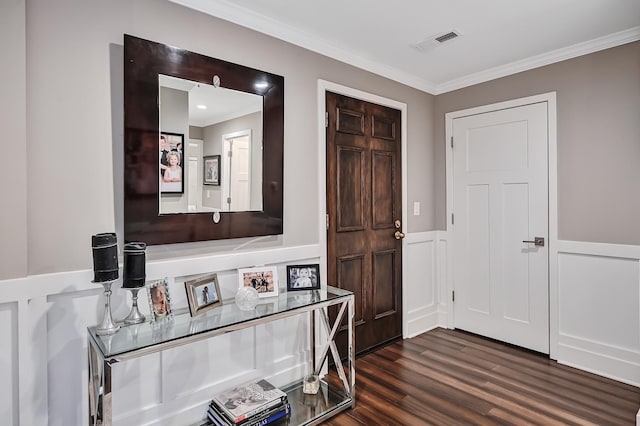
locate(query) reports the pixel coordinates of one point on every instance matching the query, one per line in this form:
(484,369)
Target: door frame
(552,171)
(328,86)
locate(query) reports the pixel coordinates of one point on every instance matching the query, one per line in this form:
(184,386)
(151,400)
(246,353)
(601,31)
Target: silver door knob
(537,241)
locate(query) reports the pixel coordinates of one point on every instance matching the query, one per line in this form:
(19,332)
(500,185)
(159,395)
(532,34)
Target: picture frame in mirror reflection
(211,170)
(171,166)
(264,279)
(159,300)
(303,277)
(203,294)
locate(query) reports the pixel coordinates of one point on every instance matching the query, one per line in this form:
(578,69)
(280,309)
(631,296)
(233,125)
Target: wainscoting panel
(9,407)
(599,309)
(43,360)
(420,278)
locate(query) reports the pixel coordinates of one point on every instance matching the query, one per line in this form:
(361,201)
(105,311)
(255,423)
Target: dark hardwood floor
(449,377)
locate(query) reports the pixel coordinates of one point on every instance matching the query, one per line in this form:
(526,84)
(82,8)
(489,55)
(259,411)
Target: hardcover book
(248,400)
(268,416)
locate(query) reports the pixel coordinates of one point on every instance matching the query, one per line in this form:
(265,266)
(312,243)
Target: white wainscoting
(424,270)
(597,299)
(599,308)
(43,355)
(43,322)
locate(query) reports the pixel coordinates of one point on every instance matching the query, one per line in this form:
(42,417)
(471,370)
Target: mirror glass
(166,203)
(217,135)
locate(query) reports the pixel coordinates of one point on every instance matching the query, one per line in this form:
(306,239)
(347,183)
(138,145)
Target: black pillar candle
(105,257)
(134,274)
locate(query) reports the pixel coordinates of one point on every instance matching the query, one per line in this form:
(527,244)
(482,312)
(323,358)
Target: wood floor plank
(449,377)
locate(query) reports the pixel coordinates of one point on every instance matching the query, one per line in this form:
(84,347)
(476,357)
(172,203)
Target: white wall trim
(47,337)
(421,271)
(550,99)
(608,343)
(258,22)
(558,55)
(323,87)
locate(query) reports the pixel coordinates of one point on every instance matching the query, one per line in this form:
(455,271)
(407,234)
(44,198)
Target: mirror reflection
(210,148)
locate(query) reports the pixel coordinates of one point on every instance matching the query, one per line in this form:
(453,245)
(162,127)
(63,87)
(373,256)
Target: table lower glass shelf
(310,409)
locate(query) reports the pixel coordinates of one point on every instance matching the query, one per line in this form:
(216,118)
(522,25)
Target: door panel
(382,174)
(350,180)
(500,200)
(363,202)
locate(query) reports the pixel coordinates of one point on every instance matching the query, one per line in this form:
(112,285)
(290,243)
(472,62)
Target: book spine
(215,419)
(253,412)
(273,417)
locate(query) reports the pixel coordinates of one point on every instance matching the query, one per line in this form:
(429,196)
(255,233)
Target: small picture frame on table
(264,279)
(203,294)
(303,277)
(159,300)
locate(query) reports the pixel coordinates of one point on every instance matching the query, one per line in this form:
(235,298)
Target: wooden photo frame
(159,300)
(211,170)
(203,293)
(171,167)
(263,279)
(303,277)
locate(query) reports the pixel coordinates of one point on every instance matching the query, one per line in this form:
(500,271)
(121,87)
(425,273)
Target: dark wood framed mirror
(144,62)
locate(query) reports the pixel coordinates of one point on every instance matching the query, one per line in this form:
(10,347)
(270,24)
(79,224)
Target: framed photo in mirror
(203,294)
(171,167)
(211,170)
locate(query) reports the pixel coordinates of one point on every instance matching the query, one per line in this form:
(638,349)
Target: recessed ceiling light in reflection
(201,106)
(261,85)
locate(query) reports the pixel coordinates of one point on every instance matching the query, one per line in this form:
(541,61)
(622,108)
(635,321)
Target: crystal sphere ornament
(247,298)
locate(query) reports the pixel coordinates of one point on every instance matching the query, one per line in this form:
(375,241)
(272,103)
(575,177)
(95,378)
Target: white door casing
(236,170)
(498,194)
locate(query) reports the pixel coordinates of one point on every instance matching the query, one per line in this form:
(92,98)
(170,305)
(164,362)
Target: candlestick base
(107,326)
(134,317)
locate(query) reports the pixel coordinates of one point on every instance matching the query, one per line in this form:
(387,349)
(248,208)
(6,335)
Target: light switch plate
(416,208)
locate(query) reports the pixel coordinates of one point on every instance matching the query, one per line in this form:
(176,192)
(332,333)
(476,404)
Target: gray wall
(13,214)
(73,131)
(598,106)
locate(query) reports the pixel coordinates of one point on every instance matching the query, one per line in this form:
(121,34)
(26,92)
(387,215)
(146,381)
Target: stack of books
(255,403)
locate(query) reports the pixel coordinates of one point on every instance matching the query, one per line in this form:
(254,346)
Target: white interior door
(240,174)
(194,173)
(500,200)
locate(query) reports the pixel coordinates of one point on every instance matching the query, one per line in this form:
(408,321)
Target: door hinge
(229,154)
(228,200)
(451,141)
(327,222)
(452,221)
(453,296)
(326,119)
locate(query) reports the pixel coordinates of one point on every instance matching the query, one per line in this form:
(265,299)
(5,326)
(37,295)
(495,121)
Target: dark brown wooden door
(363,204)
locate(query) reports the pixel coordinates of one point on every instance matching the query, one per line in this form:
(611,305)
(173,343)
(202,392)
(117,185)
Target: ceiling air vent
(446,37)
(436,40)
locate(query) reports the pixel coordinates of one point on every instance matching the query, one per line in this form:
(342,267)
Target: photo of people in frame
(171,165)
(159,300)
(303,277)
(203,293)
(263,279)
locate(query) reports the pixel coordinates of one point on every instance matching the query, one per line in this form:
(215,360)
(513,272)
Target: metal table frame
(100,385)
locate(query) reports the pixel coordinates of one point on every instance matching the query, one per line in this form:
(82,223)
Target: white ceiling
(498,37)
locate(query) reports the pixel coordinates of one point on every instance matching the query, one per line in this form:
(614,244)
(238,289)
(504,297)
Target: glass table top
(130,338)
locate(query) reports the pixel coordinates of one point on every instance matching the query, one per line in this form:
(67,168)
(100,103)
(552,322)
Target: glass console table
(105,350)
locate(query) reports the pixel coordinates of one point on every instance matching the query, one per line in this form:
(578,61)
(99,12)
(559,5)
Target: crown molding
(231,12)
(591,46)
(263,24)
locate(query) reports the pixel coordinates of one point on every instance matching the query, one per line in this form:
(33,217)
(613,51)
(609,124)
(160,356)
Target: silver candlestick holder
(107,326)
(134,317)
